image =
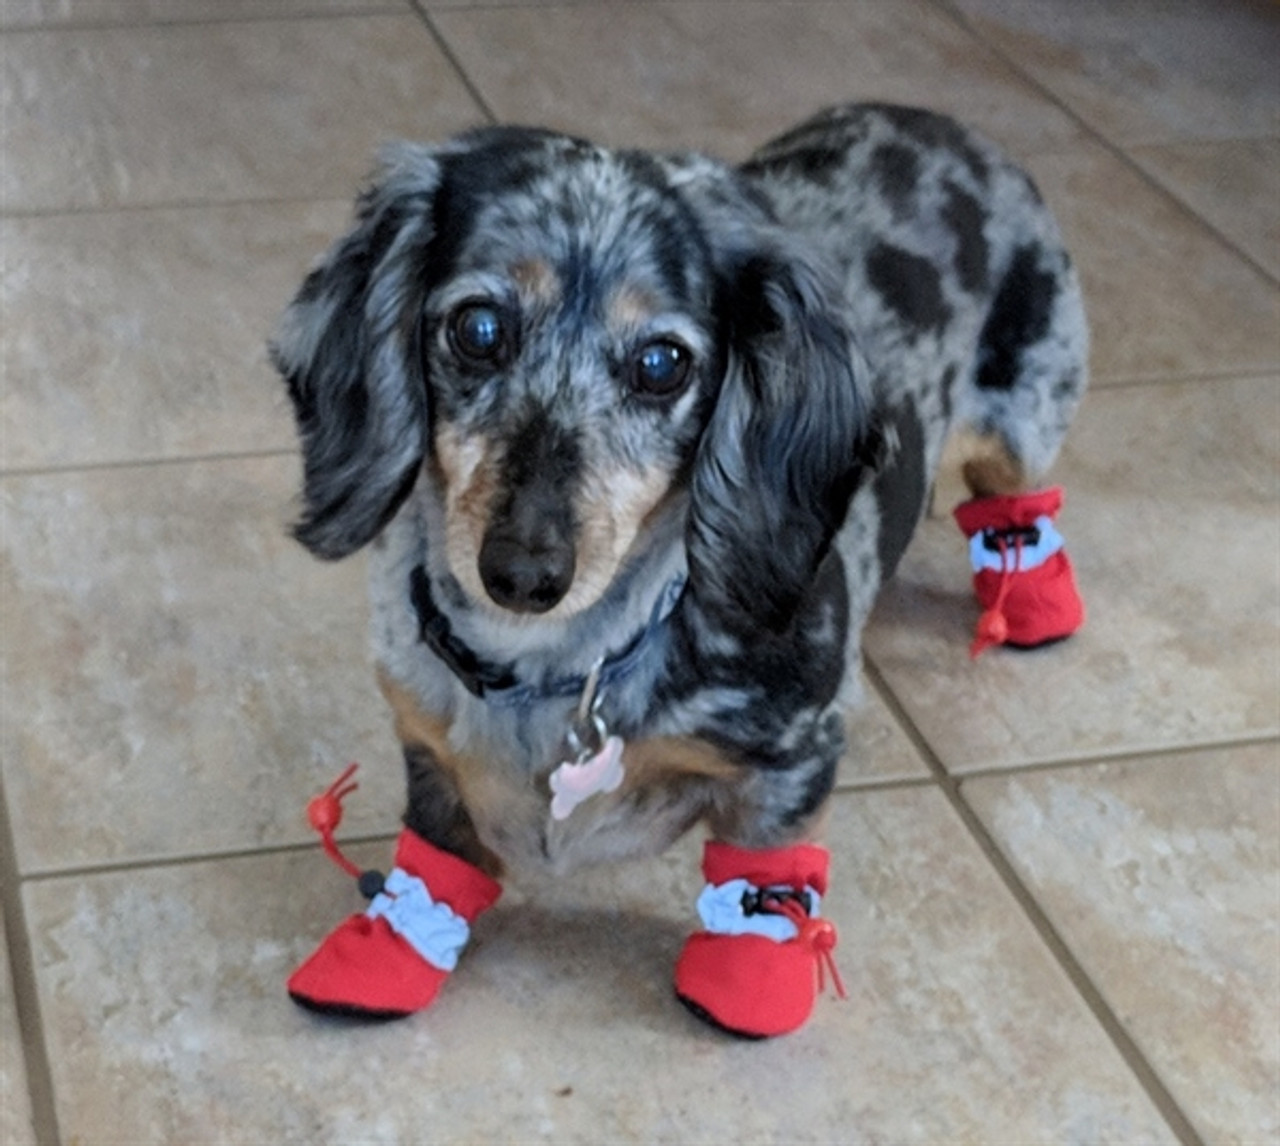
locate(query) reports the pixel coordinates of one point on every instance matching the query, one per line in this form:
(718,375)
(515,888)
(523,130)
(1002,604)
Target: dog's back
(963,294)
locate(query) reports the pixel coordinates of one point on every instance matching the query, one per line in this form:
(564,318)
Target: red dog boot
(759,965)
(1021,573)
(392,959)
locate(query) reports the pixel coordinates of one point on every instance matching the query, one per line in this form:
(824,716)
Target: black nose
(526,578)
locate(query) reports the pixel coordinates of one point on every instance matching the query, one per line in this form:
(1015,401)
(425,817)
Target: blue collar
(498,683)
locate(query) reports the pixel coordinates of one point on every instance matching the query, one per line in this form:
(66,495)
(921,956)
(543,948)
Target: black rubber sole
(700,1012)
(347,1011)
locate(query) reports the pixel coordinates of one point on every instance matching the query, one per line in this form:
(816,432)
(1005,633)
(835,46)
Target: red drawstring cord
(324,813)
(993,628)
(819,935)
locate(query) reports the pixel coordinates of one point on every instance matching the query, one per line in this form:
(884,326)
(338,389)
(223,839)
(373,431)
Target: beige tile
(214,112)
(142,334)
(1171,521)
(37,13)
(958,1028)
(1164,295)
(1147,71)
(1164,878)
(16,1127)
(1235,185)
(723,77)
(878,749)
(180,676)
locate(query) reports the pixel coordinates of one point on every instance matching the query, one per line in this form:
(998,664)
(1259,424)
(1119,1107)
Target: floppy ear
(345,347)
(779,461)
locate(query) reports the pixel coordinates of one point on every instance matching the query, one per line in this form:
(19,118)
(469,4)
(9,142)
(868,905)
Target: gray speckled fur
(863,285)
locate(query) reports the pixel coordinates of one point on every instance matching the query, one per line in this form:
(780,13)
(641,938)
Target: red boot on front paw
(393,958)
(760,963)
(1020,570)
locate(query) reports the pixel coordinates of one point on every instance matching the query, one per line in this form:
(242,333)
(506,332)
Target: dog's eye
(660,369)
(477,334)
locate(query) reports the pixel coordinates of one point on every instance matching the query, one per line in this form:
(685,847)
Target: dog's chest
(545,791)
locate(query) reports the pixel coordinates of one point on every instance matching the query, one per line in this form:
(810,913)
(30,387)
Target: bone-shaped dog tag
(593,758)
(571,783)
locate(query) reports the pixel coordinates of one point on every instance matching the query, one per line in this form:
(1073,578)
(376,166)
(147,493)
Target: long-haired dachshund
(634,439)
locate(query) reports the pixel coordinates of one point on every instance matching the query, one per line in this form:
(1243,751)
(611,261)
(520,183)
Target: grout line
(387,8)
(154,863)
(446,48)
(1117,150)
(146,463)
(884,784)
(1059,949)
(1102,383)
(1148,754)
(22,970)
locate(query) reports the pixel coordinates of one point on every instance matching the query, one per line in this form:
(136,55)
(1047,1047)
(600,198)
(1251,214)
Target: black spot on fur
(910,287)
(900,487)
(818,161)
(1020,316)
(1068,386)
(967,220)
(896,170)
(947,391)
(935,131)
(837,128)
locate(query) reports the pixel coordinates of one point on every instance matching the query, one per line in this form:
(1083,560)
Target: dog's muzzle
(527,573)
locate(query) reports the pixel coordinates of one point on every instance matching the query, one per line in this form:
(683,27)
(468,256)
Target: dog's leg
(751,970)
(437,813)
(991,470)
(392,959)
(436,808)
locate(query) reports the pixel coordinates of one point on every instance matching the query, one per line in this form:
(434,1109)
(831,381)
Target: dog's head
(569,342)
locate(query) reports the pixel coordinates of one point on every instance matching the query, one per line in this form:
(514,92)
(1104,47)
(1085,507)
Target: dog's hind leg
(1030,370)
(1029,375)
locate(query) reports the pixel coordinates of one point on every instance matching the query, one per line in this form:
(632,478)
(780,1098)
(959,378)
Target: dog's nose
(525,578)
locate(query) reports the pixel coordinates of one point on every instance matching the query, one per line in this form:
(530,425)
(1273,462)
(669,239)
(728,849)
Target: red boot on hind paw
(761,961)
(1020,570)
(393,958)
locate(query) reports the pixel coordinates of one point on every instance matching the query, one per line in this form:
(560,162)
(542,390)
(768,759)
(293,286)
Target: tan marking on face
(613,509)
(469,469)
(537,282)
(630,307)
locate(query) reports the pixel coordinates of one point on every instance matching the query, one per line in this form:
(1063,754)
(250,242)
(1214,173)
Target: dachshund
(633,439)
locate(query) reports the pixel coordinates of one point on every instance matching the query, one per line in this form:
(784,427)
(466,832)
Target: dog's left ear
(787,440)
(345,349)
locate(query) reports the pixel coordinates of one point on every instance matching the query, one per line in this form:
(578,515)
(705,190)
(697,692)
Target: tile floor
(1056,875)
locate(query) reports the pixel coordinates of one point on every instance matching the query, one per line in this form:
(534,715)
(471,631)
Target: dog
(633,440)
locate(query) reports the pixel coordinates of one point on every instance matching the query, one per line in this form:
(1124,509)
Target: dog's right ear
(346,349)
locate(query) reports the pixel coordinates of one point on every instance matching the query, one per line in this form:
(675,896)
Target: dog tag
(573,783)
(593,758)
